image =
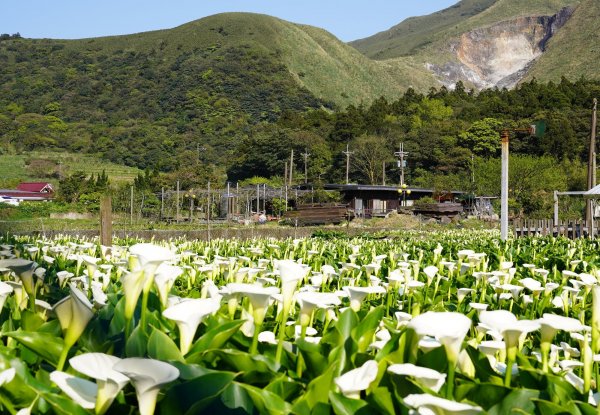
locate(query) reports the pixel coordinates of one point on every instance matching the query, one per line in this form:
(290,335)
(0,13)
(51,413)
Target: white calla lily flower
(5,291)
(82,391)
(74,312)
(147,376)
(429,378)
(187,315)
(356,380)
(109,382)
(449,328)
(6,376)
(436,405)
(164,279)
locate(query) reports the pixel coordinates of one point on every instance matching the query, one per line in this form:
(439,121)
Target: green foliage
(483,137)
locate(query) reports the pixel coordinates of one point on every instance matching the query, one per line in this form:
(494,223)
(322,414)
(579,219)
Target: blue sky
(72,19)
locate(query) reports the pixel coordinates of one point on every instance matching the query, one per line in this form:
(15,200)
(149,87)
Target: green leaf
(136,343)
(518,401)
(483,370)
(162,347)
(549,408)
(485,395)
(30,321)
(346,322)
(365,331)
(318,388)
(215,338)
(284,387)
(63,405)
(345,406)
(195,395)
(234,396)
(266,402)
(242,361)
(314,357)
(381,398)
(46,345)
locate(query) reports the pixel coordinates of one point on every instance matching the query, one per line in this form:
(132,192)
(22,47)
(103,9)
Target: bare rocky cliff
(499,55)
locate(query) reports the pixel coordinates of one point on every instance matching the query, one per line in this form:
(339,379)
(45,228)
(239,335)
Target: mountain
(249,63)
(488,43)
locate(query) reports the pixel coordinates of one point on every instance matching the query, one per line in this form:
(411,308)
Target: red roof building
(30,191)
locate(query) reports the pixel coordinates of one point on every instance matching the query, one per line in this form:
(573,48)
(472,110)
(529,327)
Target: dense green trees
(223,114)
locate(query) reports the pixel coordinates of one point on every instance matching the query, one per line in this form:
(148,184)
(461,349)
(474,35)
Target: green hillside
(575,50)
(426,34)
(416,32)
(46,166)
(259,64)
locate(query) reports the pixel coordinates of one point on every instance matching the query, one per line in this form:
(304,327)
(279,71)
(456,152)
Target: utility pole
(591,176)
(347,153)
(177,205)
(383,163)
(162,203)
(291,167)
(131,207)
(504,187)
(208,203)
(400,155)
(258,199)
(305,155)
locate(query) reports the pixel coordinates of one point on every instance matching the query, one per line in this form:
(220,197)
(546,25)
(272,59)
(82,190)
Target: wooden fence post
(106,221)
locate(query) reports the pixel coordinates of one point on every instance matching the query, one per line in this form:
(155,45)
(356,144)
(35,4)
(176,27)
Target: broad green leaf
(381,398)
(162,347)
(346,322)
(46,345)
(195,395)
(243,362)
(485,395)
(30,321)
(266,402)
(549,408)
(63,405)
(314,357)
(215,338)
(346,406)
(284,387)
(234,396)
(189,371)
(364,332)
(318,388)
(483,370)
(518,401)
(136,343)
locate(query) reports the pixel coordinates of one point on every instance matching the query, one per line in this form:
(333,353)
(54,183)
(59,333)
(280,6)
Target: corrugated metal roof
(593,193)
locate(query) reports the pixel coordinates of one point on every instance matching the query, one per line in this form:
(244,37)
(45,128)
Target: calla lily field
(448,322)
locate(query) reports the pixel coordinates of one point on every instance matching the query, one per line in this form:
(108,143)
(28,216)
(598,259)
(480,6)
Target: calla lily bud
(74,313)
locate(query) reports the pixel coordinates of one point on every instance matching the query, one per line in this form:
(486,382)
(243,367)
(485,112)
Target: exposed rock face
(500,55)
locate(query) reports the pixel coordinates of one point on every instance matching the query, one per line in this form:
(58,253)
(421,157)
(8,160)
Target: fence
(175,205)
(542,227)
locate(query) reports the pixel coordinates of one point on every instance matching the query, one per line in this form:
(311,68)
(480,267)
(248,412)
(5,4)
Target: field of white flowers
(452,322)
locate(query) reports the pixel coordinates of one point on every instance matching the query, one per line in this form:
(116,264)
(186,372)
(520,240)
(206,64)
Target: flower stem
(145,295)
(254,345)
(6,404)
(63,356)
(450,382)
